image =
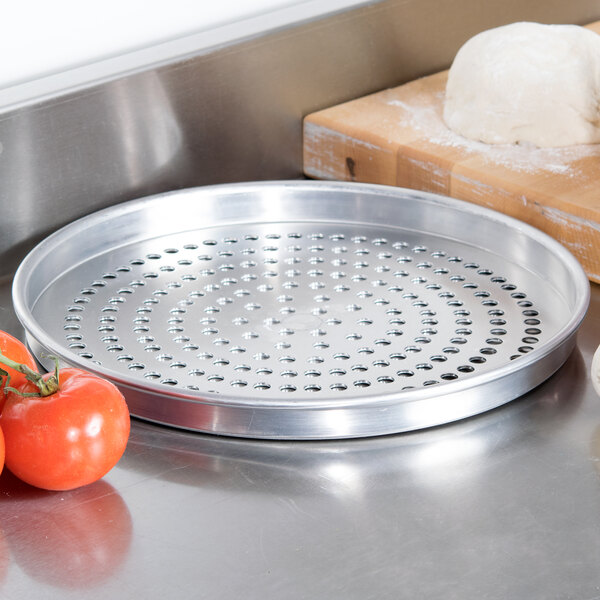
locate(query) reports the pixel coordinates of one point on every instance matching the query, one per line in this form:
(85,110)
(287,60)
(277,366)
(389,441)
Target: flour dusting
(421,115)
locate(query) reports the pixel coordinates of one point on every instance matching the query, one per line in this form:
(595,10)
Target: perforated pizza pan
(304,310)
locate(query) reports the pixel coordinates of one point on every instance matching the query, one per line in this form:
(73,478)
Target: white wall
(41,37)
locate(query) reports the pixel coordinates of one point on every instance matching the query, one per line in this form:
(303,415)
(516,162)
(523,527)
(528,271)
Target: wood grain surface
(398,137)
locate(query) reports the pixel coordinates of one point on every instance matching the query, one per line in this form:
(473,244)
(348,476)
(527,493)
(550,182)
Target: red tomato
(1,450)
(14,349)
(69,438)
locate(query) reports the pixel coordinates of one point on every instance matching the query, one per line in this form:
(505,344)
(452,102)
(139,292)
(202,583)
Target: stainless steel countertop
(503,505)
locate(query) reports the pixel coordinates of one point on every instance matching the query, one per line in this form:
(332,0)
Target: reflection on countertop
(76,539)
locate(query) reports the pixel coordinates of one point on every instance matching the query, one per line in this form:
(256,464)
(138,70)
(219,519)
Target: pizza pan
(304,310)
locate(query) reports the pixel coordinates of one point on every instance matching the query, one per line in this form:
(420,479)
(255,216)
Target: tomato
(17,351)
(68,438)
(1,450)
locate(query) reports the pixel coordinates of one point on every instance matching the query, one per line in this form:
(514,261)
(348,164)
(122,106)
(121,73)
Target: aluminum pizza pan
(304,310)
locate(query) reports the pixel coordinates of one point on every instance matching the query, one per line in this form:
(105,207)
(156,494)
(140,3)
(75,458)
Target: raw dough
(527,82)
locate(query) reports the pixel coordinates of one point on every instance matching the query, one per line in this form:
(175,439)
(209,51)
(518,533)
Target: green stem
(46,387)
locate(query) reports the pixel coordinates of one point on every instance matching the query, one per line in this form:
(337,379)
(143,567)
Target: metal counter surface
(503,505)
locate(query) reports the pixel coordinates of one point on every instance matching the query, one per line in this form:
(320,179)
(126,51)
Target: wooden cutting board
(397,137)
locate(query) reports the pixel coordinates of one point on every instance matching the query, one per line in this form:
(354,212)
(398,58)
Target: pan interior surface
(311,310)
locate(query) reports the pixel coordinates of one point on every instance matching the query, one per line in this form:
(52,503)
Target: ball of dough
(527,82)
